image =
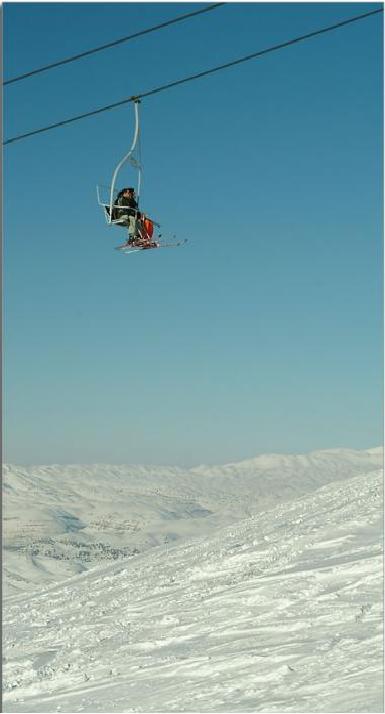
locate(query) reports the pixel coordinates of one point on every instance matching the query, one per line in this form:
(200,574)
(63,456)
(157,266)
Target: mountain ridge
(63,519)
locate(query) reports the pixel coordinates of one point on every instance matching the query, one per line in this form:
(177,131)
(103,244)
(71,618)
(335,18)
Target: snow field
(281,611)
(62,520)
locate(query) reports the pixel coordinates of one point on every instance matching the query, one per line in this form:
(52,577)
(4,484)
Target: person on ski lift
(126,199)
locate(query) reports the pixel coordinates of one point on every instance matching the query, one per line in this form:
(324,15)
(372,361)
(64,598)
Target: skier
(126,199)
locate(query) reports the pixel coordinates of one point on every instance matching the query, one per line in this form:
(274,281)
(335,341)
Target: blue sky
(264,333)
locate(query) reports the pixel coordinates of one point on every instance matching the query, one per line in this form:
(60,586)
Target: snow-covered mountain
(278,611)
(61,520)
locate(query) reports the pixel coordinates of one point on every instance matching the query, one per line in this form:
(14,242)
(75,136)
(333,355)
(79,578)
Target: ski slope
(62,520)
(279,610)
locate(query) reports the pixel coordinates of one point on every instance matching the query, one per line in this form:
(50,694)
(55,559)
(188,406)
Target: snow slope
(62,520)
(280,611)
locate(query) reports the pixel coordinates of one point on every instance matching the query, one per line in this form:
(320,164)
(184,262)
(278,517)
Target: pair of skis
(128,248)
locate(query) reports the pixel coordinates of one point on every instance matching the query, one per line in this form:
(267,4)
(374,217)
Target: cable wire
(177,82)
(74,58)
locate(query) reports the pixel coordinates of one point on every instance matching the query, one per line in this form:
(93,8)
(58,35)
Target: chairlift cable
(79,56)
(199,75)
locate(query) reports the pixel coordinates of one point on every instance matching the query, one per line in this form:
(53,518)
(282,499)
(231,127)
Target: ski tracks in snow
(280,612)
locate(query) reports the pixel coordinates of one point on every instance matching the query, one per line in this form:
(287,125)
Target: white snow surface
(254,586)
(60,520)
